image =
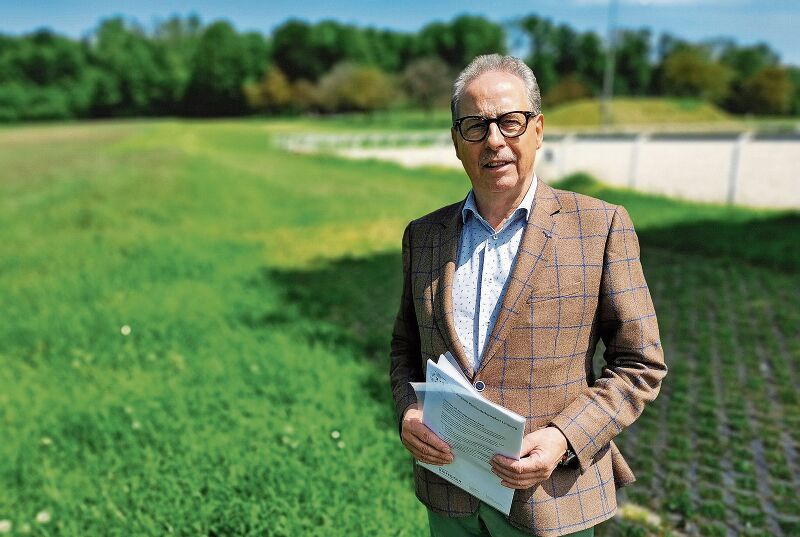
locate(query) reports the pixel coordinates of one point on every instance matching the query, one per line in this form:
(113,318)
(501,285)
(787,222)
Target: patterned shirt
(485,260)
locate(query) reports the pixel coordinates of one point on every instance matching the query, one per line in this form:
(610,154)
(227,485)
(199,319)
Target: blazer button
(480,385)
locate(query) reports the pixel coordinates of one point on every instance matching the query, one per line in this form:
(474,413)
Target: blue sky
(747,21)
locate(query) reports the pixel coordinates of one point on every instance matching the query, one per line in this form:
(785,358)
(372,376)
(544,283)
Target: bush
(690,73)
(272,94)
(355,88)
(427,81)
(769,91)
(27,101)
(305,95)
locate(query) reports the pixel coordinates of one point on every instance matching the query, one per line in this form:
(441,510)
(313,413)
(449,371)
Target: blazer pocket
(572,289)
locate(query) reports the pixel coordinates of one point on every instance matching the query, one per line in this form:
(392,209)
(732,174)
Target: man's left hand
(541,452)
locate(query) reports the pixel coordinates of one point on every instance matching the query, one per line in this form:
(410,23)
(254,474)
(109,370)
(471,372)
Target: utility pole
(608,76)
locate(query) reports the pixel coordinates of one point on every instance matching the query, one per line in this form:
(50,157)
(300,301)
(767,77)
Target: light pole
(608,75)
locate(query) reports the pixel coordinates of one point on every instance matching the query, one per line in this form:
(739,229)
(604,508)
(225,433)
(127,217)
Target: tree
(458,42)
(769,91)
(219,71)
(745,62)
(390,50)
(272,94)
(256,55)
(794,77)
(44,76)
(305,96)
(301,50)
(428,82)
(133,77)
(355,88)
(175,41)
(293,51)
(691,73)
(544,50)
(633,68)
(591,61)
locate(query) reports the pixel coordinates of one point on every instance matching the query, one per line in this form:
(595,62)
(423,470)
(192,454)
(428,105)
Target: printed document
(475,429)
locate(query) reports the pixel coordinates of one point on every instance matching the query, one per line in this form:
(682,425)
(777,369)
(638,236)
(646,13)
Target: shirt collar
(524,207)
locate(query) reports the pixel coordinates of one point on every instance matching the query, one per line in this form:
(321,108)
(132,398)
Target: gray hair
(495,62)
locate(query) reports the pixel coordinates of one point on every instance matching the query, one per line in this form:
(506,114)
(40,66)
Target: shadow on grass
(719,231)
(347,304)
(768,242)
(350,303)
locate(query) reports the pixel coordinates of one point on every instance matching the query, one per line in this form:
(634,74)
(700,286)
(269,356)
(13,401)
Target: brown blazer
(577,278)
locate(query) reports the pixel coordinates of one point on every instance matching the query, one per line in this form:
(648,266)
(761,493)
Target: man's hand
(423,444)
(541,452)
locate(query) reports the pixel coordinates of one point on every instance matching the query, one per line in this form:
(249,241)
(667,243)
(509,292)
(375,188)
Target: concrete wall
(740,168)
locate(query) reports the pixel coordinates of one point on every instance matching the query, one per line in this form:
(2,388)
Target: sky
(775,22)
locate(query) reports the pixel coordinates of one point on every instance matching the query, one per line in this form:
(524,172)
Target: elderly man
(519,281)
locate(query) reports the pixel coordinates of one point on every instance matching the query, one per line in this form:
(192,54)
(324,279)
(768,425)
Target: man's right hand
(423,443)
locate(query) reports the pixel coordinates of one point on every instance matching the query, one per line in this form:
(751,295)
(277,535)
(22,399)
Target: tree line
(185,68)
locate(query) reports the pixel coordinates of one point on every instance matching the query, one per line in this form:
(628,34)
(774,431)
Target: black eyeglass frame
(488,120)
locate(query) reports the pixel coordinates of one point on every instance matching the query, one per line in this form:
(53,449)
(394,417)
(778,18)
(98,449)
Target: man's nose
(495,138)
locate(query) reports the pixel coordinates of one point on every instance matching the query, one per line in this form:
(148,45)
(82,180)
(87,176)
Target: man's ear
(539,130)
(454,136)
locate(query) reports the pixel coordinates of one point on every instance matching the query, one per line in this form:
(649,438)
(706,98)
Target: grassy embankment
(628,113)
(249,395)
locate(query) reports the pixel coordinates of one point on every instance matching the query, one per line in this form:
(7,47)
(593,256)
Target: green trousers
(486,522)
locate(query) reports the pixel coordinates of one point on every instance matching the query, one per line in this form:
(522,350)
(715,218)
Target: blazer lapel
(532,258)
(445,241)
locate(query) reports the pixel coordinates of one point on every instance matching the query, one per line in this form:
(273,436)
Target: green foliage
(182,67)
(748,60)
(305,51)
(130,71)
(769,91)
(219,71)
(689,72)
(460,40)
(428,82)
(794,76)
(44,76)
(544,51)
(272,94)
(355,88)
(632,62)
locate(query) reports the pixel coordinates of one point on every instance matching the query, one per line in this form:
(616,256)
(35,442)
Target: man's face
(498,164)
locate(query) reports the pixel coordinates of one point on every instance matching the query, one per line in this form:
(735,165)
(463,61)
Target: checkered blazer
(577,278)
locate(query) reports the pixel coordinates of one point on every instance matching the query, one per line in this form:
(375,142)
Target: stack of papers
(475,428)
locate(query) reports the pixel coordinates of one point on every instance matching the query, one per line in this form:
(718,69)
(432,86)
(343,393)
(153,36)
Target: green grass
(647,112)
(637,111)
(583,113)
(260,287)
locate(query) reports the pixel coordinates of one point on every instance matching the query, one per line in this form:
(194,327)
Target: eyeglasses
(476,128)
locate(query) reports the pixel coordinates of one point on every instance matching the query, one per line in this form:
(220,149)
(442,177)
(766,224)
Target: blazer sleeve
(406,358)
(634,356)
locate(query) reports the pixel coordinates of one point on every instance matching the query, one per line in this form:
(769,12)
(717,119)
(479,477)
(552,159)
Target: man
(520,281)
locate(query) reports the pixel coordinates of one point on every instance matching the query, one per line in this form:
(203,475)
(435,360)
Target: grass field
(196,327)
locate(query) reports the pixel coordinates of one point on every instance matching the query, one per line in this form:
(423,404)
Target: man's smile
(498,164)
